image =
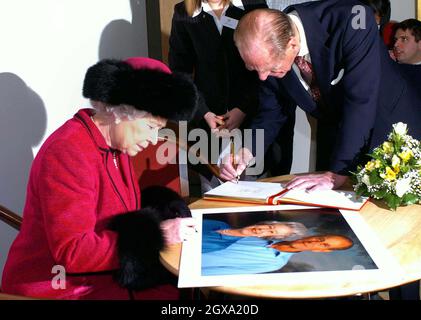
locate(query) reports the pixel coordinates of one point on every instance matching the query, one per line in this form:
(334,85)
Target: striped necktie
(306,70)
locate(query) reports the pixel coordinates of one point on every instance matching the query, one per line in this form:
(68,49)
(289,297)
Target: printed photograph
(309,240)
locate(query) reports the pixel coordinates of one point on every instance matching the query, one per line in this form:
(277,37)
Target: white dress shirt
(218,21)
(304,51)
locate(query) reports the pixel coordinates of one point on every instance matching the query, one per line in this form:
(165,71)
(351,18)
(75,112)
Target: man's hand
(312,182)
(233,119)
(213,120)
(231,168)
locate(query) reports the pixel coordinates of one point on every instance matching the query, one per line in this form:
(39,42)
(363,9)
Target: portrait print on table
(279,244)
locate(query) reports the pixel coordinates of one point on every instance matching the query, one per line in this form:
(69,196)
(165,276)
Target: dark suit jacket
(197,48)
(373,93)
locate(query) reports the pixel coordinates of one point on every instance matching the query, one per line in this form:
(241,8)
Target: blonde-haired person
(83,214)
(201,44)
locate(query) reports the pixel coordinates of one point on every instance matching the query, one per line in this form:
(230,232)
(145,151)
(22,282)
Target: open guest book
(276,193)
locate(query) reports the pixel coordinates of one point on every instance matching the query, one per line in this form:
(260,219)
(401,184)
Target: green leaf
(409,199)
(381,193)
(375,178)
(354,177)
(362,191)
(377,156)
(393,201)
(404,169)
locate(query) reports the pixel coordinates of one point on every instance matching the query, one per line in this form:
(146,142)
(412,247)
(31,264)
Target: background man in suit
(407,48)
(338,62)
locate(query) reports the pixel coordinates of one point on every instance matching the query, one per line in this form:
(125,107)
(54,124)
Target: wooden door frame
(158,19)
(418,13)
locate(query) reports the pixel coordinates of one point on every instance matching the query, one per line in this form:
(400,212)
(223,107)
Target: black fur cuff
(166,201)
(139,241)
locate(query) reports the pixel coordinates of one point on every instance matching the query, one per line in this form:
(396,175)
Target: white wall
(403,9)
(46,47)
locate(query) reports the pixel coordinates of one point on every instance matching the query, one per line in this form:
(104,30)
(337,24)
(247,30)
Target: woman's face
(132,136)
(266,230)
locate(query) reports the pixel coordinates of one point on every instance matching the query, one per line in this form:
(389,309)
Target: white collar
(303,40)
(206,7)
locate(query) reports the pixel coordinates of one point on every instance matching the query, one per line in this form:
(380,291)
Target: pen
(232,152)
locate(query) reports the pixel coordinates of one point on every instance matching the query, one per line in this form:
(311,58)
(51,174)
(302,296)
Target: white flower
(402,186)
(396,161)
(400,128)
(366,180)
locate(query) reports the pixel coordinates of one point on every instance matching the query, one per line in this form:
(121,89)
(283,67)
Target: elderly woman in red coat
(84,234)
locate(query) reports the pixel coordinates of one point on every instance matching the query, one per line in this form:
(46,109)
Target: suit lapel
(234,12)
(295,89)
(208,24)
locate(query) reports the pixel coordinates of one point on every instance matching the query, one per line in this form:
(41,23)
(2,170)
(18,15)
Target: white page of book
(331,198)
(246,189)
(263,190)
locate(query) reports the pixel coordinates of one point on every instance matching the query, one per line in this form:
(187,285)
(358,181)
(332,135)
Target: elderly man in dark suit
(327,58)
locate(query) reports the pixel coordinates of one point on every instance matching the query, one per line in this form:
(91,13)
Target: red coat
(74,190)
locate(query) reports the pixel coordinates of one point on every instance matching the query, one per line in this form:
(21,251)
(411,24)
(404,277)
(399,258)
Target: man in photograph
(407,47)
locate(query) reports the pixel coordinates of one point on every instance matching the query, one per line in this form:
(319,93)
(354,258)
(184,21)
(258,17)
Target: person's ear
(293,44)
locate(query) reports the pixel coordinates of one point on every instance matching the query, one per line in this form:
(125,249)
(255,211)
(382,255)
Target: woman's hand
(213,120)
(233,119)
(178,229)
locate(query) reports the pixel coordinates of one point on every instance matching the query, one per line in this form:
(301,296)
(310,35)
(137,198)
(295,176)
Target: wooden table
(399,231)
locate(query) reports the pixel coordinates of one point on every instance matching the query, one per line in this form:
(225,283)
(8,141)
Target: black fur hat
(149,88)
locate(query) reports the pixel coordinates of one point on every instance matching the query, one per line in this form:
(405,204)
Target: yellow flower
(406,155)
(387,147)
(389,175)
(377,164)
(370,166)
(396,162)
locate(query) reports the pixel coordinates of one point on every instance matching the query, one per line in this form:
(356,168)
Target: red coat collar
(84,116)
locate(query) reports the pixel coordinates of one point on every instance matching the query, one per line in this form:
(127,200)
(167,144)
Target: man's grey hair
(272,28)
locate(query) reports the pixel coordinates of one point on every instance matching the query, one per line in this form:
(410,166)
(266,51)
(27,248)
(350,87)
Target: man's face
(260,60)
(406,49)
(314,243)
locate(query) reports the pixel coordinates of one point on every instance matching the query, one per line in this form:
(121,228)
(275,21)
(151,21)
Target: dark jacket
(363,90)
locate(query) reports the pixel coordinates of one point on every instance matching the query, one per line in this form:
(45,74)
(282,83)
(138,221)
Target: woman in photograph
(227,250)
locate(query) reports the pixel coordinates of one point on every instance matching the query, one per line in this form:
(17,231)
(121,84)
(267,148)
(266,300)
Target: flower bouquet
(394,173)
